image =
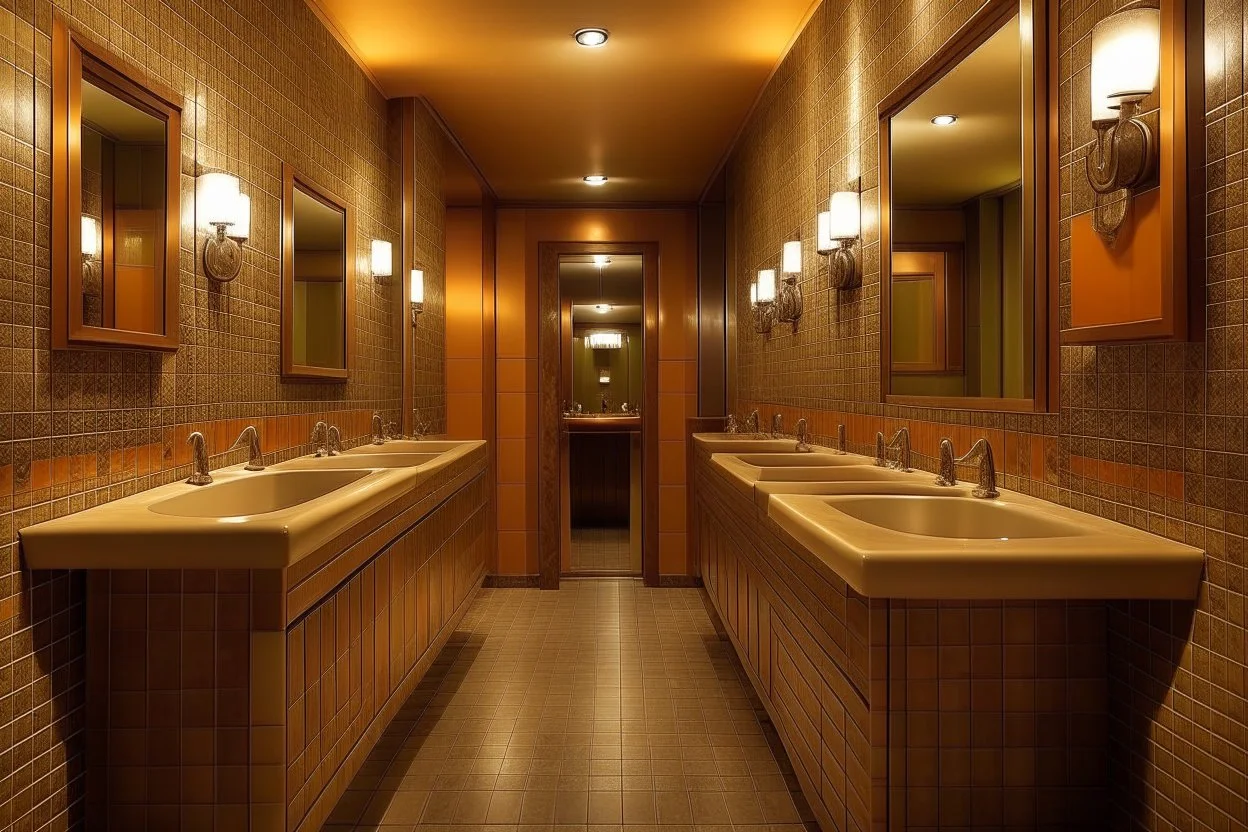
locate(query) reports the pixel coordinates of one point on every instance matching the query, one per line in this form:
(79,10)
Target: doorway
(598,449)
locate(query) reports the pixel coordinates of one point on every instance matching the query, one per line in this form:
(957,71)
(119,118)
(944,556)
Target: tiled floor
(602,707)
(600,550)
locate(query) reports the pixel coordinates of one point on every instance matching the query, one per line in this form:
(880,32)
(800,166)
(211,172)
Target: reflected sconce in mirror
(221,207)
(789,301)
(381,260)
(418,294)
(92,247)
(1126,56)
(605,341)
(604,376)
(844,225)
(763,301)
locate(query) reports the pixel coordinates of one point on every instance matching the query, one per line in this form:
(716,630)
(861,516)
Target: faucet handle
(840,438)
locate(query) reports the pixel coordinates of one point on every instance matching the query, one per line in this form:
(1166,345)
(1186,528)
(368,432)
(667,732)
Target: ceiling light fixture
(602,261)
(944,120)
(596,180)
(591,37)
(602,308)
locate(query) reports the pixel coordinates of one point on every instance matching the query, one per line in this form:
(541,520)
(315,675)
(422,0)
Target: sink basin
(793,467)
(727,443)
(258,494)
(954,517)
(356,462)
(792,460)
(407,446)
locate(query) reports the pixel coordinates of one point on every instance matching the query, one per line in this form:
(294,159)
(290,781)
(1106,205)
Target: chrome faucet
(801,431)
(752,422)
(420,427)
(199,460)
(777,425)
(981,453)
(392,430)
(334,441)
(901,444)
(320,438)
(840,439)
(731,426)
(379,430)
(251,438)
(881,455)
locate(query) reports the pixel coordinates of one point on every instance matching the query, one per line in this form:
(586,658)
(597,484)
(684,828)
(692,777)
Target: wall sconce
(381,260)
(604,341)
(763,301)
(844,225)
(1126,58)
(220,206)
(92,246)
(789,301)
(604,376)
(418,294)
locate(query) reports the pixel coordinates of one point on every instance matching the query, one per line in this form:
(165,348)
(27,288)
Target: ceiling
(618,284)
(983,150)
(119,120)
(655,109)
(317,226)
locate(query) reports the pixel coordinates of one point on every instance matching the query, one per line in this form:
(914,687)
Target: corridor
(602,706)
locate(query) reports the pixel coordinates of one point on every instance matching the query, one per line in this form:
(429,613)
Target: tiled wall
(519,233)
(262,83)
(1152,436)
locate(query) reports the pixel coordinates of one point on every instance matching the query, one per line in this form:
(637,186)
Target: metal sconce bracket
(417,308)
(764,317)
(789,302)
(843,266)
(1122,158)
(223,256)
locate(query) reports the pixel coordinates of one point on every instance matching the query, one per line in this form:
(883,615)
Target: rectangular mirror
(115,222)
(964,219)
(318,277)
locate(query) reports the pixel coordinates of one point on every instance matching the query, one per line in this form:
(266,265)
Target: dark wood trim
(550,435)
(73,57)
(303,372)
(510,582)
(680,582)
(1039,202)
(402,313)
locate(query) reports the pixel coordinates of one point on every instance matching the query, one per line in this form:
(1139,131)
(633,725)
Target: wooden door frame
(550,350)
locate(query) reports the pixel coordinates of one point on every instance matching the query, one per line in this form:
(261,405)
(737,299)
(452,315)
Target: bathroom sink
(258,494)
(954,517)
(721,443)
(407,446)
(795,467)
(796,460)
(356,462)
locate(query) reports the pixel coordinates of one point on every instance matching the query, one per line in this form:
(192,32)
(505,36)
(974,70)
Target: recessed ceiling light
(596,180)
(944,120)
(602,261)
(592,37)
(602,308)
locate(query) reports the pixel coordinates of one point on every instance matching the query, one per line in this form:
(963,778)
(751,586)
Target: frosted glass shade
(766,285)
(791,262)
(418,286)
(382,259)
(91,237)
(240,229)
(754,294)
(216,198)
(825,243)
(1126,59)
(845,220)
(604,341)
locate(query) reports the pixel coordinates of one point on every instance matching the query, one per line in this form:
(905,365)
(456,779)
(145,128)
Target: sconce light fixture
(381,260)
(418,294)
(92,247)
(789,300)
(763,301)
(1126,59)
(604,375)
(844,227)
(605,340)
(220,207)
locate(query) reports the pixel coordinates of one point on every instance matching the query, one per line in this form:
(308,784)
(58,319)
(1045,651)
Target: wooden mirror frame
(306,372)
(1040,195)
(73,57)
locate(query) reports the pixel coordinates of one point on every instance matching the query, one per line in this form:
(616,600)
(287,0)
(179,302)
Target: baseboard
(511,581)
(680,581)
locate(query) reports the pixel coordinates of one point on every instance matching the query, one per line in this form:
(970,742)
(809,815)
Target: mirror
(116,152)
(317,281)
(965,282)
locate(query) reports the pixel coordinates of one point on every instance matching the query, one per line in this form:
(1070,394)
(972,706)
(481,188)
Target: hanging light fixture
(601,261)
(604,340)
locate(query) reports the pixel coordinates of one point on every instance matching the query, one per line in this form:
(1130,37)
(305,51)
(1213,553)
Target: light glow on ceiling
(595,180)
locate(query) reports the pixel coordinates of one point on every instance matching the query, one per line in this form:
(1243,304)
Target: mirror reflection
(961,292)
(123,222)
(603,351)
(320,290)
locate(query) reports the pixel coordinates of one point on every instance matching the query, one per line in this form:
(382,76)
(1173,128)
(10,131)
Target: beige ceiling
(655,109)
(620,283)
(979,153)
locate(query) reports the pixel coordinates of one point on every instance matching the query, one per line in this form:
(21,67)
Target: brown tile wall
(1151,436)
(262,83)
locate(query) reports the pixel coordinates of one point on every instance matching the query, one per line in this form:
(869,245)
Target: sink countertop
(128,534)
(602,423)
(1100,560)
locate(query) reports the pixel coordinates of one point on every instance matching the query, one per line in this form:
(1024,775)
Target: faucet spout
(333,441)
(840,439)
(250,438)
(320,438)
(379,430)
(777,425)
(981,453)
(881,451)
(199,460)
(801,430)
(901,444)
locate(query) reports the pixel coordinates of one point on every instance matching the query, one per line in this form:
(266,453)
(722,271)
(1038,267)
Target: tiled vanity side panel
(804,640)
(998,715)
(169,698)
(354,657)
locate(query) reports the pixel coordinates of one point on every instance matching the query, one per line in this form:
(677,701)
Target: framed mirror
(116,151)
(966,213)
(318,280)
